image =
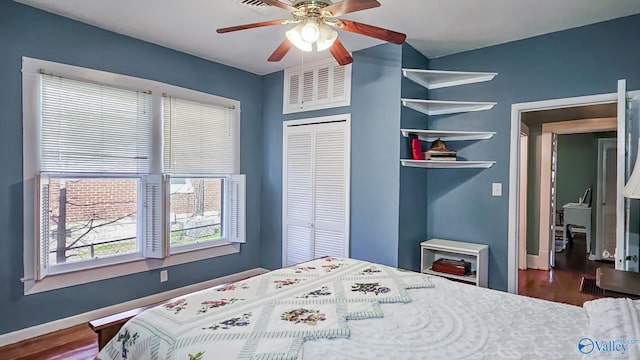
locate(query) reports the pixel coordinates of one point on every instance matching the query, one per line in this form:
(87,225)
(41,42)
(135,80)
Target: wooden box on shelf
(475,254)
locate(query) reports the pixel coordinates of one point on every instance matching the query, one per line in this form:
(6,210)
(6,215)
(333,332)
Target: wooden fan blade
(349,6)
(249,26)
(281,51)
(373,31)
(279,4)
(341,54)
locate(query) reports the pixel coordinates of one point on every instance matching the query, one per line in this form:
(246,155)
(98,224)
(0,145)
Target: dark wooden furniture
(624,282)
(107,327)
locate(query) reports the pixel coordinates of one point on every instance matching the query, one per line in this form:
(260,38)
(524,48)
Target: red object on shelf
(450,266)
(416,149)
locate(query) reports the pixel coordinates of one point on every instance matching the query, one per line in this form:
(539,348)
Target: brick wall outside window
(110,199)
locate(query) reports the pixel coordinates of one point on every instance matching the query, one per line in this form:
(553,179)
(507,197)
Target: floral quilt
(268,316)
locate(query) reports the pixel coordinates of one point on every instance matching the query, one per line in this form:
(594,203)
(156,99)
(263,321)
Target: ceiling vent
(258,5)
(253,3)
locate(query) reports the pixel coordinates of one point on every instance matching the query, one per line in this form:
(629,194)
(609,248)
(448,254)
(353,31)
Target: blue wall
(375,154)
(413,181)
(25,31)
(582,61)
(375,146)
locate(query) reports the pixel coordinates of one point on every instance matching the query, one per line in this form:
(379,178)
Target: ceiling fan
(316,20)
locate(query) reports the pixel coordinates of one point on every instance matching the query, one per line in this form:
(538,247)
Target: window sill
(62,280)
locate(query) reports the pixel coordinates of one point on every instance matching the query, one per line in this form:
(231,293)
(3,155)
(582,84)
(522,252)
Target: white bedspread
(459,321)
(348,309)
(614,329)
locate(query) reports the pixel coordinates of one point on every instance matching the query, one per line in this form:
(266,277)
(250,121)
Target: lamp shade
(632,188)
(310,32)
(295,37)
(327,37)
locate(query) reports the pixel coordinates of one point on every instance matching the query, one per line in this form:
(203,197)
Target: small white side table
(476,254)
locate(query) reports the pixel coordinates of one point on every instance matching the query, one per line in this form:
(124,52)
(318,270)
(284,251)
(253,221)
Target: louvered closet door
(316,193)
(330,192)
(298,188)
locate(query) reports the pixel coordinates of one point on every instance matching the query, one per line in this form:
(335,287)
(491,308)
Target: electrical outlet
(164,275)
(496,189)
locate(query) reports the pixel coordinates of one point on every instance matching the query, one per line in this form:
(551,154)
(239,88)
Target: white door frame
(603,144)
(522,224)
(514,159)
(310,121)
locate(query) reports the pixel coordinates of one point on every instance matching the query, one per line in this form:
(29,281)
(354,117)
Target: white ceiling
(434,27)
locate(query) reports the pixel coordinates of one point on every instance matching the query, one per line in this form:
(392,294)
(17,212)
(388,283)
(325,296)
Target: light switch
(496,189)
(164,275)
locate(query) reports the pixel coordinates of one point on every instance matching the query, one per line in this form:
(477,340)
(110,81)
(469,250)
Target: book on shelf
(441,158)
(440,153)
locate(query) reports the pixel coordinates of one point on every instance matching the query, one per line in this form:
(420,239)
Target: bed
(333,308)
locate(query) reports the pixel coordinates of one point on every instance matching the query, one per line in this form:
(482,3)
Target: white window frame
(110,260)
(224,219)
(31,96)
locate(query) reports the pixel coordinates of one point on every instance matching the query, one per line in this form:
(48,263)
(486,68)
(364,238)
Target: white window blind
(198,137)
(88,127)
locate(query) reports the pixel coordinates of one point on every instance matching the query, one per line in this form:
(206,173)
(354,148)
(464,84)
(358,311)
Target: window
(86,218)
(123,170)
(196,214)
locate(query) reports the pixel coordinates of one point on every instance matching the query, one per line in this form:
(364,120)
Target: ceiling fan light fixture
(327,37)
(310,31)
(294,35)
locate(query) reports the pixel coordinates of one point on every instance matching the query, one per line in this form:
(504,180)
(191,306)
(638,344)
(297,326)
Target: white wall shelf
(447,135)
(441,107)
(444,164)
(476,254)
(436,79)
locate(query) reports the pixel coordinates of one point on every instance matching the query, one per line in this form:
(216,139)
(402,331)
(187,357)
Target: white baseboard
(42,329)
(537,262)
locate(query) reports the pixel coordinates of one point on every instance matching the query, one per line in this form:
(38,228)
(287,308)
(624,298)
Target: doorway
(514,181)
(577,130)
(628,112)
(562,175)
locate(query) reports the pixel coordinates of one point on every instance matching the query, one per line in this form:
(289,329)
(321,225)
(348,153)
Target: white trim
(42,329)
(524,171)
(599,204)
(537,262)
(310,121)
(52,282)
(544,220)
(514,149)
(622,204)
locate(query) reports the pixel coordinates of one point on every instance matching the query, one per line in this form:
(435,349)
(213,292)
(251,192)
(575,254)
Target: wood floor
(561,284)
(75,343)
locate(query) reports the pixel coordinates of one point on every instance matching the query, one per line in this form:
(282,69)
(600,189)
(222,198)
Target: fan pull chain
(302,79)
